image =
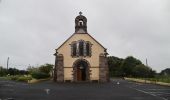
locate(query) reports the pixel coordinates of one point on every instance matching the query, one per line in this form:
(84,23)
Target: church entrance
(81,70)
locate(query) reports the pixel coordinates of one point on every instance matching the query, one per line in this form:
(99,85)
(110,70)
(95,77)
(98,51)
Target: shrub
(47,68)
(14,78)
(40,75)
(24,79)
(20,78)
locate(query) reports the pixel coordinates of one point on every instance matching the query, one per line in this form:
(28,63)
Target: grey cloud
(31,30)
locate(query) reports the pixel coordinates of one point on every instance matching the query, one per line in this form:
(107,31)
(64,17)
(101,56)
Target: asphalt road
(115,90)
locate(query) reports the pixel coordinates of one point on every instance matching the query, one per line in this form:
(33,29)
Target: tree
(142,71)
(152,73)
(128,67)
(47,68)
(23,72)
(13,71)
(165,71)
(32,69)
(128,64)
(114,64)
(3,71)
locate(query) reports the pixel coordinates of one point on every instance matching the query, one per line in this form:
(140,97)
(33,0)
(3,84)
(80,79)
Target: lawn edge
(147,81)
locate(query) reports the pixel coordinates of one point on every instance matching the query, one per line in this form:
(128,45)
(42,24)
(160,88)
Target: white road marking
(118,83)
(148,93)
(10,99)
(47,91)
(159,93)
(157,89)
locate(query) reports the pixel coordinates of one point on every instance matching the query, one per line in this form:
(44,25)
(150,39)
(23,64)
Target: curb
(146,81)
(36,81)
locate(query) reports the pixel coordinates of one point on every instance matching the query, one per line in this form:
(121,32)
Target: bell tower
(81,24)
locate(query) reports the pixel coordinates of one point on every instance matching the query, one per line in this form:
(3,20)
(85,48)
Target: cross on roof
(80,13)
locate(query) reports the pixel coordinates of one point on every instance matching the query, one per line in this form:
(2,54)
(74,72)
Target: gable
(77,36)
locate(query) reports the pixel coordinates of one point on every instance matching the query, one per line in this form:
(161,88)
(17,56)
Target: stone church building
(81,57)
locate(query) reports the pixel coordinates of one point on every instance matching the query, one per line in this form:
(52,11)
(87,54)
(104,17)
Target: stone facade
(59,68)
(103,69)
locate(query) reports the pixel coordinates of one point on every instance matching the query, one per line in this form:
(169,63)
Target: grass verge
(147,81)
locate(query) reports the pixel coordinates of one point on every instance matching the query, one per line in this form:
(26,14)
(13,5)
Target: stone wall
(59,69)
(103,69)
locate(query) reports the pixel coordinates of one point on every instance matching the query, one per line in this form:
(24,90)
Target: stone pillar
(55,69)
(59,69)
(103,69)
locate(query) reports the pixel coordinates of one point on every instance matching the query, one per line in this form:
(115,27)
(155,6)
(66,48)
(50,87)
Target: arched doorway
(81,70)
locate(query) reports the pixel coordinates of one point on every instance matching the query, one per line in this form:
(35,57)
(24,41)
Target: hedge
(24,79)
(40,75)
(20,78)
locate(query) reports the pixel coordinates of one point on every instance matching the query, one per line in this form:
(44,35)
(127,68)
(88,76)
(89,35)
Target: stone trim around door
(75,69)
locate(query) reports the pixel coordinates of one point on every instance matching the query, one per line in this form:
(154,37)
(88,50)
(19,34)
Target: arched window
(74,49)
(80,23)
(88,49)
(81,48)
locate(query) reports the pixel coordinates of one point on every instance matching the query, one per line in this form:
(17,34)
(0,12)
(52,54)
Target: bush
(40,75)
(14,78)
(20,78)
(47,68)
(24,79)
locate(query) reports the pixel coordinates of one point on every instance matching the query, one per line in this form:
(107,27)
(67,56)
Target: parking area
(151,89)
(117,89)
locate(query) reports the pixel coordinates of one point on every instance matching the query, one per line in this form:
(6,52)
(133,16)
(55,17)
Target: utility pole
(146,62)
(146,66)
(7,62)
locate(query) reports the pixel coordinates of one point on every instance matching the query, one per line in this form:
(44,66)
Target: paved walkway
(115,90)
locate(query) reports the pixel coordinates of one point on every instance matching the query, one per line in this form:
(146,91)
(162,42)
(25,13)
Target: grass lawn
(165,79)
(5,78)
(160,81)
(24,78)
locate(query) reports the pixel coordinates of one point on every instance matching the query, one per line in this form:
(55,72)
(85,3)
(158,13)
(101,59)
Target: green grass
(165,79)
(4,78)
(21,78)
(24,78)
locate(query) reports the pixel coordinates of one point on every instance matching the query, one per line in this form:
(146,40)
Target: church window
(80,48)
(88,49)
(74,49)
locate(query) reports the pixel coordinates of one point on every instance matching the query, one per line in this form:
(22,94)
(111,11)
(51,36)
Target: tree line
(37,72)
(131,67)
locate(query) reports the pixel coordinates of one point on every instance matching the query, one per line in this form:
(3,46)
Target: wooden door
(79,74)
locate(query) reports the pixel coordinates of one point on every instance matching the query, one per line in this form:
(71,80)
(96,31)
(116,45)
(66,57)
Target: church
(81,58)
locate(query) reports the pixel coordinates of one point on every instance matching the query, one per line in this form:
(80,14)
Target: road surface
(117,89)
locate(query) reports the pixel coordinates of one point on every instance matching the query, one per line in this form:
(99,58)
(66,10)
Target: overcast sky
(31,30)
